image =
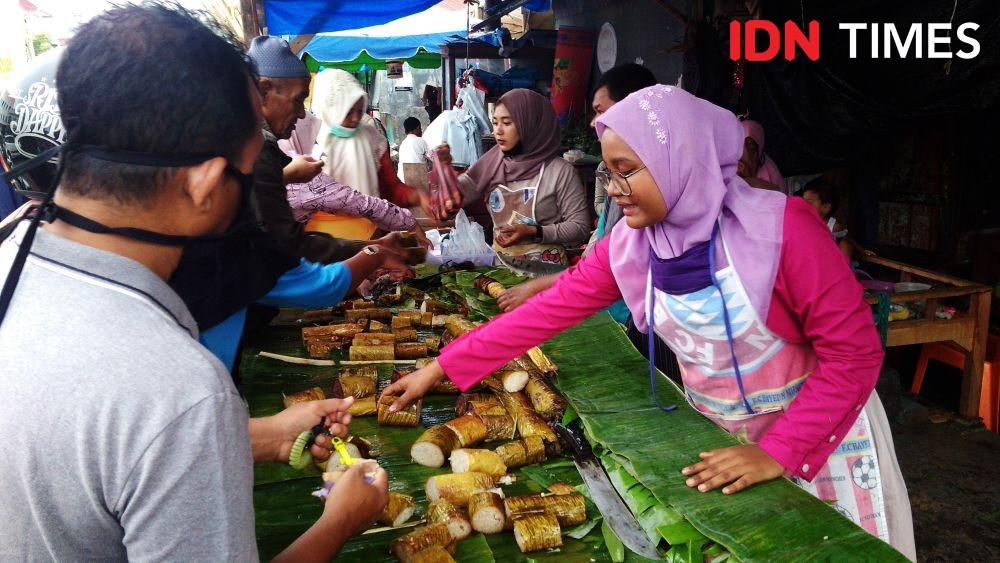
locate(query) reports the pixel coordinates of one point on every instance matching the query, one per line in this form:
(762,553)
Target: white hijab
(352,161)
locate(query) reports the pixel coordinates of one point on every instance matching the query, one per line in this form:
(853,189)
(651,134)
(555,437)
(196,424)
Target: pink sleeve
(577,294)
(816,289)
(323,193)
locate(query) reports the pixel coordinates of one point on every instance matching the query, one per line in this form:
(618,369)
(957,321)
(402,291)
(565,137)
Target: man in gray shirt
(124,438)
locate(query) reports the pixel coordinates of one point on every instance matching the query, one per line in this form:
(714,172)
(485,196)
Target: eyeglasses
(620,180)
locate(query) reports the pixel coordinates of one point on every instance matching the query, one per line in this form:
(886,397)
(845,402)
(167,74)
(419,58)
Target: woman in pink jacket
(748,289)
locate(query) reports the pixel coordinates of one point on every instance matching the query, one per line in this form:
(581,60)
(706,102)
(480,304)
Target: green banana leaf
(283,504)
(606,381)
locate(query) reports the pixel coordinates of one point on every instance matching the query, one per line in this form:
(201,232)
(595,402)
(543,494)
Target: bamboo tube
(438,321)
(375,313)
(457,325)
(397,511)
(513,381)
(373,339)
(362,304)
(318,315)
(562,489)
(464,460)
(412,314)
(320,349)
(468,429)
(433,446)
(410,416)
(490,286)
(405,334)
(479,403)
(528,422)
(541,361)
(340,332)
(435,307)
(376,326)
(444,387)
(548,403)
(444,512)
(401,322)
(537,531)
(433,554)
(364,406)
(433,343)
(498,426)
(371,372)
(427,319)
(487,513)
(372,353)
(526,451)
(422,362)
(411,350)
(569,509)
(312,394)
(406,547)
(457,487)
(353,385)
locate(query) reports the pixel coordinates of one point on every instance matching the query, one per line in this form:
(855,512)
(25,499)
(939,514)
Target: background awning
(422,59)
(298,17)
(395,39)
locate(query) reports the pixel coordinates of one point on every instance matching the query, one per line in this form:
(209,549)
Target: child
(823,196)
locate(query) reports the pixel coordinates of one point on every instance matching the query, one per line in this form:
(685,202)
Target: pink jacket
(816,300)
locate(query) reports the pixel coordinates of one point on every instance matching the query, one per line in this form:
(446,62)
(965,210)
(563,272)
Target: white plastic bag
(465,243)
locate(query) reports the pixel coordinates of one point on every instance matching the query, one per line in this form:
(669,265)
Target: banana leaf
(606,381)
(283,504)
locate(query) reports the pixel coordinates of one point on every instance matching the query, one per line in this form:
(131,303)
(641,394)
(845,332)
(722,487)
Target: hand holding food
(302,169)
(515,234)
(358,498)
(414,386)
(272,437)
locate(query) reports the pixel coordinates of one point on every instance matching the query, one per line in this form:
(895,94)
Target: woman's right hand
(414,386)
(515,296)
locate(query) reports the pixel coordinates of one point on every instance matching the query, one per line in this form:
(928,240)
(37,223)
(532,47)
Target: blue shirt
(308,285)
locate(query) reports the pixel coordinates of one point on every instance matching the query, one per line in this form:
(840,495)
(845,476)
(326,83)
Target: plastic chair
(952,355)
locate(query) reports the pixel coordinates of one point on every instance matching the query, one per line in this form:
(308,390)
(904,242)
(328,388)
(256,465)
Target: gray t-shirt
(123,437)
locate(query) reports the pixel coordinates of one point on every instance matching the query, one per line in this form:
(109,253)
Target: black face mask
(217,274)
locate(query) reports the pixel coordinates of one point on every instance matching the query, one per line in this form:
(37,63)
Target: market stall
(640,447)
(927,318)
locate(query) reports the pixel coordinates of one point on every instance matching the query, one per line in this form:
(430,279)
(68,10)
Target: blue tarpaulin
(295,17)
(346,48)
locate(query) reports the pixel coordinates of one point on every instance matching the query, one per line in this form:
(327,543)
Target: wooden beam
(248,15)
(972,379)
(919,272)
(934,293)
(959,330)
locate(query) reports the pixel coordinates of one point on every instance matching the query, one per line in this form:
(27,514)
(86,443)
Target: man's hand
(392,242)
(302,169)
(272,437)
(353,503)
(737,466)
(514,234)
(414,386)
(351,507)
(515,296)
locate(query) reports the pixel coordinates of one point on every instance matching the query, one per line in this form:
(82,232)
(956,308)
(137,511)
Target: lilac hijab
(691,148)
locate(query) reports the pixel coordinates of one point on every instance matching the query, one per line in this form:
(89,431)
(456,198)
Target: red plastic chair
(952,355)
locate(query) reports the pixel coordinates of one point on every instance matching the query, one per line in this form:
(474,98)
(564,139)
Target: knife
(614,510)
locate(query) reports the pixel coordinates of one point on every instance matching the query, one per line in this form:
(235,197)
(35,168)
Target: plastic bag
(465,243)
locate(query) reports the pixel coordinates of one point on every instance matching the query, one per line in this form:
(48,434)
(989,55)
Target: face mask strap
(50,212)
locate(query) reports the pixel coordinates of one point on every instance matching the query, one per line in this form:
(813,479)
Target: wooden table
(967,328)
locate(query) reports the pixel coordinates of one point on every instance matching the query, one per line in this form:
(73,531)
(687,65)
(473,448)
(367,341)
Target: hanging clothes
(462,128)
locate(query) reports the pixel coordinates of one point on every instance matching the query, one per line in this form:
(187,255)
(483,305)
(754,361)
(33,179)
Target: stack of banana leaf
(606,382)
